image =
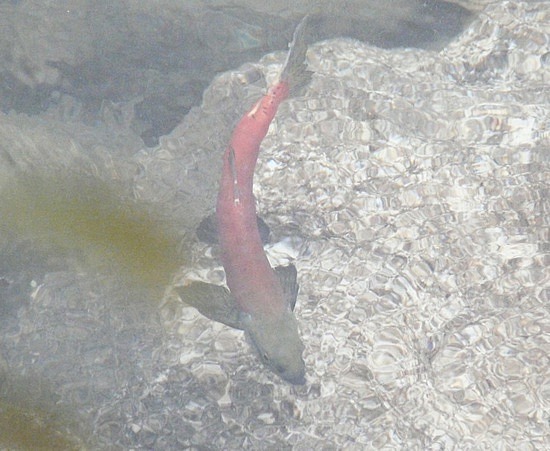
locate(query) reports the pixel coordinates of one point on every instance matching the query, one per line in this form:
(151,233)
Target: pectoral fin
(287,278)
(213,301)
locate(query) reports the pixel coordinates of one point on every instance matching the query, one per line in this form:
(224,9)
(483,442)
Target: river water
(410,189)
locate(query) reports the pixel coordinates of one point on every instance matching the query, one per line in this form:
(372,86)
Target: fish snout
(293,371)
(295,379)
(278,344)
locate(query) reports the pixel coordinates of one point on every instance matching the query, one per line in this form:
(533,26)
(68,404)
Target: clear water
(410,188)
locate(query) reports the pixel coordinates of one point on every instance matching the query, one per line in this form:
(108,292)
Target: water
(409,187)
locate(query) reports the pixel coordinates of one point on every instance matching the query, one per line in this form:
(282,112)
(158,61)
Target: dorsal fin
(233,167)
(207,231)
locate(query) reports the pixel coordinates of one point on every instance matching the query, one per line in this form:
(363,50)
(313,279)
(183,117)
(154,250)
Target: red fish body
(250,277)
(265,297)
(261,299)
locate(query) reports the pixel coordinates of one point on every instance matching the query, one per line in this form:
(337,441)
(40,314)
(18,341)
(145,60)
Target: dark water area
(161,63)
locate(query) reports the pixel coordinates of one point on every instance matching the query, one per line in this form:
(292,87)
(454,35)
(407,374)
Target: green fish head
(278,344)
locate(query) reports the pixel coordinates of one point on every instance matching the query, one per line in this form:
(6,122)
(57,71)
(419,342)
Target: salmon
(260,299)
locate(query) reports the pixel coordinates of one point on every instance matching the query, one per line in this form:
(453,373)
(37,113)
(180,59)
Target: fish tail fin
(295,71)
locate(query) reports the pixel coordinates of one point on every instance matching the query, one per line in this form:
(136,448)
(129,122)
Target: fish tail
(295,72)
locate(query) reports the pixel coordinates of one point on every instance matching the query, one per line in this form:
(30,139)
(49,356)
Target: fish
(259,300)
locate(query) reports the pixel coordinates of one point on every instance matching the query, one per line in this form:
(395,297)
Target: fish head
(278,344)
